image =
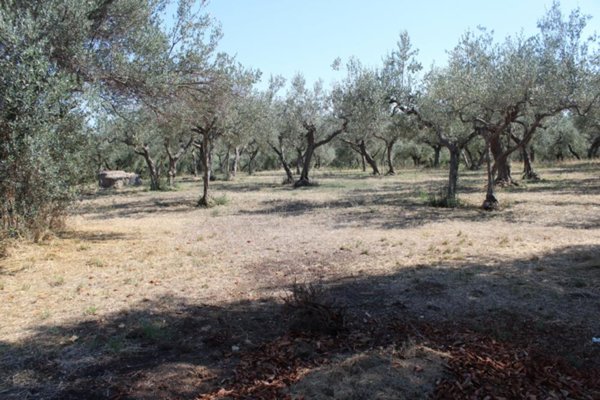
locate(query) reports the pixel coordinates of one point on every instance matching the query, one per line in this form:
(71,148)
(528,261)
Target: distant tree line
(114,84)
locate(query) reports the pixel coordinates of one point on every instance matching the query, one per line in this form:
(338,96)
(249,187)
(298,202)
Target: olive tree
(312,115)
(400,83)
(52,53)
(360,97)
(437,111)
(211,105)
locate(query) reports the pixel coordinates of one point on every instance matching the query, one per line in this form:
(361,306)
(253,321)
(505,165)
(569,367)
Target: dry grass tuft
(309,310)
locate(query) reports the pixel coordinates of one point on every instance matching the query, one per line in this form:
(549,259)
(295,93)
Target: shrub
(309,311)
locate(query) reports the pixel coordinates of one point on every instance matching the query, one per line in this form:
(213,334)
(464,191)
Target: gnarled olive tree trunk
(491,202)
(311,145)
(236,161)
(389,153)
(153,167)
(528,172)
(251,157)
(205,161)
(437,150)
(173,158)
(593,150)
(361,148)
(281,155)
(453,173)
(501,162)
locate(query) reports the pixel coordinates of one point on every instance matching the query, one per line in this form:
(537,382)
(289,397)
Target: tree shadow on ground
(172,347)
(565,186)
(126,191)
(387,209)
(139,207)
(93,237)
(246,187)
(582,166)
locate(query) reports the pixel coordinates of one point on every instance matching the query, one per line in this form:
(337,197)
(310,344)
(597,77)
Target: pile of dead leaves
(478,367)
(482,368)
(267,371)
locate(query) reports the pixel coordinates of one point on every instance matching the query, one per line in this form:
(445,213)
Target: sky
(285,37)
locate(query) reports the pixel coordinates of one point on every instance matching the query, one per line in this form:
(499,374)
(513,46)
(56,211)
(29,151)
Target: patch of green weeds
(115,344)
(220,201)
(92,310)
(155,331)
(439,199)
(96,263)
(45,315)
(57,281)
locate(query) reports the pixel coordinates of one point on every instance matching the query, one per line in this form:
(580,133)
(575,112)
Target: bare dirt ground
(145,296)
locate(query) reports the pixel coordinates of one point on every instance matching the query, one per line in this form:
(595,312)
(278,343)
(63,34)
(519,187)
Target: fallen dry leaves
(483,368)
(478,368)
(266,372)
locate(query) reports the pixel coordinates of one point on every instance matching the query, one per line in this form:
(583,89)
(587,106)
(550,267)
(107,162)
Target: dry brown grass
(372,241)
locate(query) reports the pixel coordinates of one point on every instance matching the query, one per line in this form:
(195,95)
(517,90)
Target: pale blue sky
(289,36)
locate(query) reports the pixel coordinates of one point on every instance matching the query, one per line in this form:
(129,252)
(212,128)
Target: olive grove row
(95,84)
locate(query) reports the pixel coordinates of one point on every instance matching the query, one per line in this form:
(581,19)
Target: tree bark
(174,159)
(528,172)
(472,163)
(311,145)
(468,158)
(153,168)
(361,148)
(416,160)
(573,152)
(299,161)
(236,161)
(501,162)
(204,151)
(491,202)
(437,149)
(171,172)
(368,158)
(310,148)
(389,150)
(593,150)
(207,134)
(251,158)
(281,155)
(453,174)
